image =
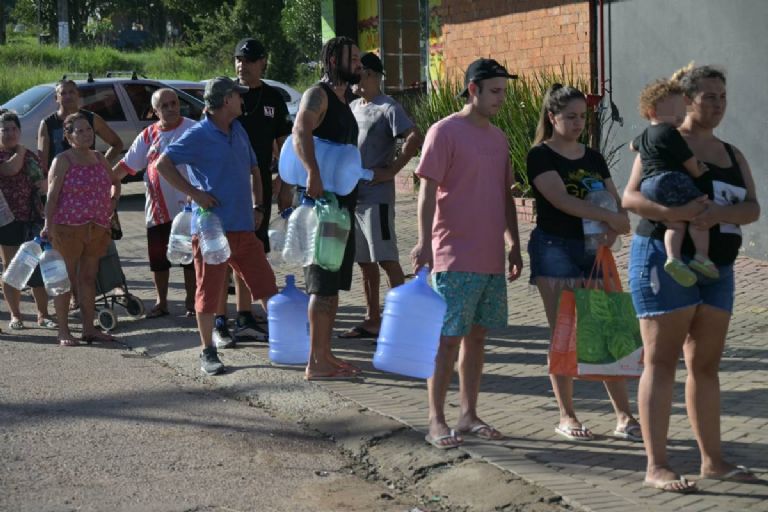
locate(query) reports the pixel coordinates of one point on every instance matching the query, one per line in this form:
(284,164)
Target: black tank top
(339,124)
(55,127)
(724,186)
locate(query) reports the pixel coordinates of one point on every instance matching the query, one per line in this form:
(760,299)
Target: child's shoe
(678,271)
(704,266)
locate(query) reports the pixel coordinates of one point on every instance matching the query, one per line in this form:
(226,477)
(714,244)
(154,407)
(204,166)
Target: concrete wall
(527,35)
(648,39)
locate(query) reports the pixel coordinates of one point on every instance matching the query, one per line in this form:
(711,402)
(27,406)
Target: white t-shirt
(163,200)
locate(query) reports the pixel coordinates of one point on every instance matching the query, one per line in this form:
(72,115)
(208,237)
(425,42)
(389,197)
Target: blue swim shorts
(654,292)
(472,299)
(670,188)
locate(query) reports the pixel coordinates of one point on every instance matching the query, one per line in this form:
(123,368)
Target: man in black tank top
(324,113)
(50,135)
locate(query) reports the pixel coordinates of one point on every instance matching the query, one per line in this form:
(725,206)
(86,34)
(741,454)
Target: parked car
(291,96)
(124,103)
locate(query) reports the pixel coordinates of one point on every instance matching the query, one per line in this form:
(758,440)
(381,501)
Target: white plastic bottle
(595,230)
(54,270)
(213,241)
(23,264)
(300,235)
(6,215)
(277,233)
(180,240)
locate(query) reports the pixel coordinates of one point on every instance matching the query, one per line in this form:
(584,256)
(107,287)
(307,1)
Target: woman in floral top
(20,180)
(82,196)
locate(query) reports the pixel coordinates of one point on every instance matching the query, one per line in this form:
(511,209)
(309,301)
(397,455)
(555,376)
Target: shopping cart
(113,289)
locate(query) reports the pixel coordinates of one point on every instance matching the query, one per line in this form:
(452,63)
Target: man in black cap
(266,121)
(381,121)
(466,211)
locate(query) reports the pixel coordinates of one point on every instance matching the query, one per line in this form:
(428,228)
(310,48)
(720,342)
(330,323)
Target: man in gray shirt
(381,120)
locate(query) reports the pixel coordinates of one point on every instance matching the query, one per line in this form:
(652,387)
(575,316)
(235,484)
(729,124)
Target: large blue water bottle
(410,329)
(288,325)
(340,166)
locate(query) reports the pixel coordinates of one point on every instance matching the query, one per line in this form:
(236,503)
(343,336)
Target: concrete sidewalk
(605,474)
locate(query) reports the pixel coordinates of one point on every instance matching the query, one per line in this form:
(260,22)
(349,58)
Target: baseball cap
(373,62)
(483,69)
(250,48)
(218,88)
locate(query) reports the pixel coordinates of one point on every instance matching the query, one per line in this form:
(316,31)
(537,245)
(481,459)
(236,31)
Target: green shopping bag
(597,335)
(333,226)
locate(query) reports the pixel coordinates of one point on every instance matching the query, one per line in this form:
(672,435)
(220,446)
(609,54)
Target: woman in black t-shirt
(562,171)
(693,320)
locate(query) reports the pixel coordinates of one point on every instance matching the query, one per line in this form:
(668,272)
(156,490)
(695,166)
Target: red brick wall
(526,35)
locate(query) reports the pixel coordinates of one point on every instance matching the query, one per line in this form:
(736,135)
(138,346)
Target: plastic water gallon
(180,240)
(340,166)
(213,242)
(54,271)
(276,232)
(23,264)
(410,329)
(288,325)
(299,248)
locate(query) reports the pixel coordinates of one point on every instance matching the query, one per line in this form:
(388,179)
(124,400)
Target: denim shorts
(670,188)
(558,257)
(472,299)
(654,292)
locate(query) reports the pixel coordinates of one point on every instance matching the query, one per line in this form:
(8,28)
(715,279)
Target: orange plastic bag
(564,348)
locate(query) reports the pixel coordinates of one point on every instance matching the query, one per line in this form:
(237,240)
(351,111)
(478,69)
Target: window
(29,99)
(101,99)
(141,99)
(401,52)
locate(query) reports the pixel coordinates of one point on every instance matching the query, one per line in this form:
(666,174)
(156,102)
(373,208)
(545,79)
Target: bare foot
(667,480)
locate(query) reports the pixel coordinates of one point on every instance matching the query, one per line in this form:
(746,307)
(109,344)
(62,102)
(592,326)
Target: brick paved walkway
(516,395)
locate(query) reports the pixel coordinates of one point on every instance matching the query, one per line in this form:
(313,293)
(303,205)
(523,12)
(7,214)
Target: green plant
(518,116)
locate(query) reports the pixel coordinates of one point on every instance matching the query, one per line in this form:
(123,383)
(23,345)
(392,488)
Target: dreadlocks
(334,49)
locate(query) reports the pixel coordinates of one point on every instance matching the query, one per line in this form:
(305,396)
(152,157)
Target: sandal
(99,336)
(46,323)
(581,433)
(446,442)
(704,266)
(629,432)
(16,324)
(483,431)
(680,486)
(156,312)
(68,342)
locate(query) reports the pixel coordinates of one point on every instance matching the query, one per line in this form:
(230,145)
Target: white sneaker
(222,338)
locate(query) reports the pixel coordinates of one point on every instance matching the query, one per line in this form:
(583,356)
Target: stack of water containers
(288,325)
(410,329)
(340,166)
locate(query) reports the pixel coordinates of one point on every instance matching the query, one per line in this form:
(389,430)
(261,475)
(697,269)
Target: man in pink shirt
(465,213)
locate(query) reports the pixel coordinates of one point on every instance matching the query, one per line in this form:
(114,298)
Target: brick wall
(527,35)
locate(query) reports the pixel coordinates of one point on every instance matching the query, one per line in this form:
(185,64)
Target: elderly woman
(82,195)
(694,320)
(20,180)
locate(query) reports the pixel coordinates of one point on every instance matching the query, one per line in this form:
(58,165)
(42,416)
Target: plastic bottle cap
(306,200)
(422,273)
(187,207)
(286,213)
(290,280)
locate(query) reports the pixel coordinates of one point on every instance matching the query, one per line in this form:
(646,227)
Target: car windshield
(29,99)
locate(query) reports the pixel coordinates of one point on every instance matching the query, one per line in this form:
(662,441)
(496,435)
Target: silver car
(124,103)
(291,96)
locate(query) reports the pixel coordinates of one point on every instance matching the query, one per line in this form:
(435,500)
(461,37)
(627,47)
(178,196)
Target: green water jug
(333,225)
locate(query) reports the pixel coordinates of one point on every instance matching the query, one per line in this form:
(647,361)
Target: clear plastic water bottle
(299,246)
(277,232)
(23,264)
(595,230)
(410,329)
(180,240)
(333,228)
(213,241)
(6,215)
(54,271)
(340,166)
(288,325)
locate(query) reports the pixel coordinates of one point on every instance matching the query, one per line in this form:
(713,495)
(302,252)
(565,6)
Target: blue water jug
(288,325)
(410,329)
(340,166)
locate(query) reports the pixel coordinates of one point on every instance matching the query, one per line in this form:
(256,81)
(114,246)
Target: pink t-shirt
(85,195)
(471,167)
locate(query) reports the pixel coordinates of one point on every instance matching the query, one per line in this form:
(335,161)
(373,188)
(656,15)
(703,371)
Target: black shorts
(324,282)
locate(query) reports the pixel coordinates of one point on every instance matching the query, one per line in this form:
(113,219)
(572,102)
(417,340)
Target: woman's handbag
(596,334)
